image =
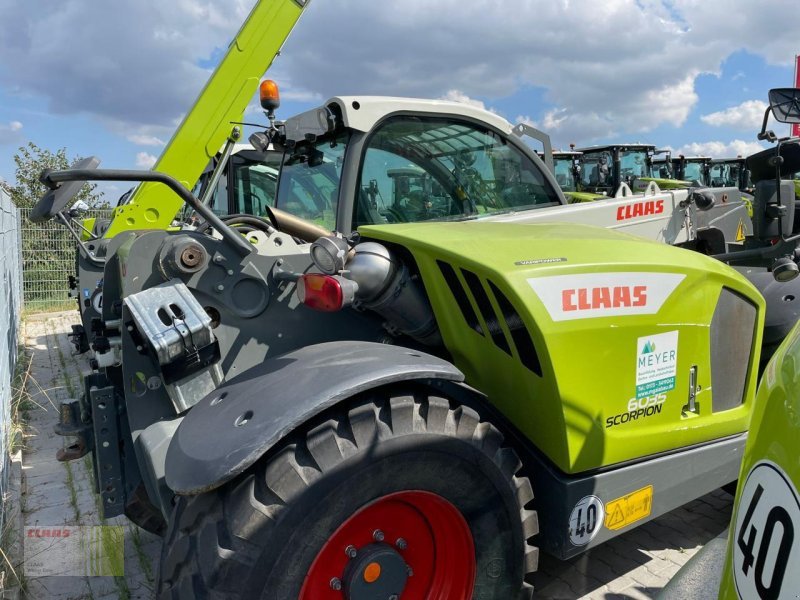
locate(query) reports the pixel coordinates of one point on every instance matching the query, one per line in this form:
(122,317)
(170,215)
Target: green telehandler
(414,405)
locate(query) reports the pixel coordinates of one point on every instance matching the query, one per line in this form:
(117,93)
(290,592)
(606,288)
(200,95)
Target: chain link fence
(48,258)
(10,310)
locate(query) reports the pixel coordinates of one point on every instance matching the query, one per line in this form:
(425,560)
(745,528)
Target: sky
(113,79)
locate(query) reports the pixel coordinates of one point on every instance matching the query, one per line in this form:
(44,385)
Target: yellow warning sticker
(740,233)
(629,509)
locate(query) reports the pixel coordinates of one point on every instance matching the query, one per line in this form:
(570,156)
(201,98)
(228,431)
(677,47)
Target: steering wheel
(55,201)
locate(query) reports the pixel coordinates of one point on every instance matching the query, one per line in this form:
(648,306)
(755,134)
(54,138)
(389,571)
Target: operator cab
(567,168)
(347,164)
(693,169)
(730,172)
(605,168)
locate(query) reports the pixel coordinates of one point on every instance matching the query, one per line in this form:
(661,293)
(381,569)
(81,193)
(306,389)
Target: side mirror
(785,104)
(60,194)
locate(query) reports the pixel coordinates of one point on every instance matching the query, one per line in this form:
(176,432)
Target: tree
(31,160)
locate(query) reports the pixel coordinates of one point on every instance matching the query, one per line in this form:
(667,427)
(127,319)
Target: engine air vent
(456,288)
(487,311)
(519,333)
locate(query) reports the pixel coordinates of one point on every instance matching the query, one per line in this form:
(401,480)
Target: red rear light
(320,292)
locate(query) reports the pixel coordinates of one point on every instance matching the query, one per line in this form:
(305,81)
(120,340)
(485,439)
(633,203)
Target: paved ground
(633,566)
(56,494)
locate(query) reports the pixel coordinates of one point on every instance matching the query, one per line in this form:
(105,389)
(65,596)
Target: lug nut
(401,543)
(220,288)
(378,536)
(336,584)
(351,551)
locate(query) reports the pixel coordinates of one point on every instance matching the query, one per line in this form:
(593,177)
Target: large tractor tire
(400,495)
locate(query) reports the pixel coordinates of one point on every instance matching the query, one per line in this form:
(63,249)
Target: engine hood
(588,339)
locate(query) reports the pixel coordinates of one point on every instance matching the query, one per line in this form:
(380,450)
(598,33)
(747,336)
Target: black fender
(231,428)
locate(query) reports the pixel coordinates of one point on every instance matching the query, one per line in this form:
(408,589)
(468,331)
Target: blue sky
(689,74)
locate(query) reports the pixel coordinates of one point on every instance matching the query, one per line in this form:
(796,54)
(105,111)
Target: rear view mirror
(785,104)
(57,198)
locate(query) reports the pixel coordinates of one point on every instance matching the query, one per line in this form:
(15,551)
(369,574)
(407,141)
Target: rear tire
(258,536)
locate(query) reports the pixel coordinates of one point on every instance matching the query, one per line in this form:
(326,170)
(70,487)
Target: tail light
(327,293)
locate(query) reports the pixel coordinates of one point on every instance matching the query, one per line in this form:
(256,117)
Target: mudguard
(231,428)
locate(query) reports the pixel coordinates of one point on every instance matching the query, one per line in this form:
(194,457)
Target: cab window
(310,178)
(255,181)
(422,169)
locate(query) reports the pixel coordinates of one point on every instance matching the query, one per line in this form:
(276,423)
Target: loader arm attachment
(207,125)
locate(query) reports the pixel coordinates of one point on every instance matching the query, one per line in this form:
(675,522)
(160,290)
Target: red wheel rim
(428,532)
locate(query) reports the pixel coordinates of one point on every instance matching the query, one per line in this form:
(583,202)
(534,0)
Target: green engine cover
(589,340)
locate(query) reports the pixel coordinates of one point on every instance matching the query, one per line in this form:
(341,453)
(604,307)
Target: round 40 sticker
(586,520)
(766,545)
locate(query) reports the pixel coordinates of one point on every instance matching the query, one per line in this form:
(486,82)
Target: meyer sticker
(656,364)
(586,520)
(592,295)
(629,509)
(766,535)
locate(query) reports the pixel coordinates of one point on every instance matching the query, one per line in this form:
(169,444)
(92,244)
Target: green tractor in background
(567,171)
(730,172)
(396,409)
(692,168)
(607,168)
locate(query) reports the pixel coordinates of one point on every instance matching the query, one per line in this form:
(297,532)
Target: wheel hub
(411,544)
(377,572)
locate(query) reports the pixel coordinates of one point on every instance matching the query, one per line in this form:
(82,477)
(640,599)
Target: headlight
(329,254)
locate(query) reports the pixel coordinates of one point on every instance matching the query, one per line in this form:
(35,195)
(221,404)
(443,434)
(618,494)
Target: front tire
(394,478)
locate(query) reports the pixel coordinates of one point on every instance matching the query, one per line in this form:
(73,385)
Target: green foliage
(48,251)
(30,161)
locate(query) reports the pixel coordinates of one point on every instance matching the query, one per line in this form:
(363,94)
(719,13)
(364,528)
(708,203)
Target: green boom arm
(208,124)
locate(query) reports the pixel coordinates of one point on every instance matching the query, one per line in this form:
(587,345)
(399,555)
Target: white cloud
(10,133)
(459,96)
(145,160)
(717,149)
(140,67)
(146,140)
(748,116)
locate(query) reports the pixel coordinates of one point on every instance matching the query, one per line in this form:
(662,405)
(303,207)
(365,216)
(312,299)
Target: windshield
(633,164)
(309,180)
(661,170)
(420,169)
(255,179)
(693,171)
(724,175)
(565,174)
(597,170)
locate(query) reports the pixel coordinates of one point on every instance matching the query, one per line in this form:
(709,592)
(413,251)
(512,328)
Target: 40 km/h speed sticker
(766,545)
(586,520)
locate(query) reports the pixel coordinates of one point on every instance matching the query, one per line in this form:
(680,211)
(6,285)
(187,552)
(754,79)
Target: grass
(21,403)
(73,491)
(141,555)
(45,306)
